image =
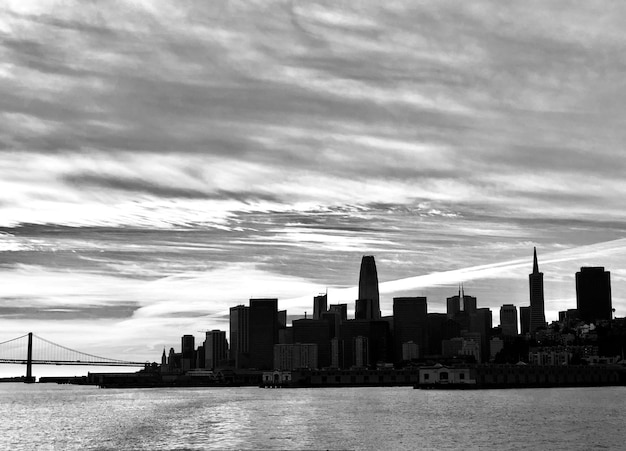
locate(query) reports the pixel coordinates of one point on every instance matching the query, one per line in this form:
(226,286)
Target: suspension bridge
(30,349)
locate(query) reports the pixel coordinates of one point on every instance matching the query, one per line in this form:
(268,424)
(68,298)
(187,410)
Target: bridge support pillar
(29,360)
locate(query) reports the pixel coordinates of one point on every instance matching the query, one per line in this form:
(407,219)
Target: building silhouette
(453,305)
(239,338)
(410,324)
(524,320)
(461,308)
(379,343)
(188,350)
(480,326)
(537,310)
(508,320)
(320,305)
(340,309)
(368,302)
(295,356)
(315,331)
(215,349)
(435,332)
(263,332)
(593,294)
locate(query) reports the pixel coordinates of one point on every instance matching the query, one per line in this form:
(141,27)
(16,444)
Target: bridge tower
(29,360)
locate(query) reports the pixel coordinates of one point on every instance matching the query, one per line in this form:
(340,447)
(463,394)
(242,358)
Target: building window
(426,377)
(462,376)
(443,376)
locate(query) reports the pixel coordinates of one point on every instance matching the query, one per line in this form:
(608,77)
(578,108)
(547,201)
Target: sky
(163,161)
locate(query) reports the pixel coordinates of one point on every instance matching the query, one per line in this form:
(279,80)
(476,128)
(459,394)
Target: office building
(379,343)
(524,320)
(239,341)
(460,307)
(481,324)
(368,302)
(435,325)
(188,349)
(453,305)
(410,324)
(537,310)
(282,319)
(315,331)
(290,357)
(339,309)
(263,332)
(508,320)
(410,351)
(361,351)
(593,294)
(319,306)
(215,349)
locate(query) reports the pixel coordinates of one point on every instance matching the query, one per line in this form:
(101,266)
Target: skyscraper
(508,320)
(316,331)
(537,312)
(368,303)
(410,324)
(593,294)
(239,342)
(524,320)
(339,309)
(263,332)
(453,305)
(461,303)
(319,306)
(215,348)
(481,323)
(188,348)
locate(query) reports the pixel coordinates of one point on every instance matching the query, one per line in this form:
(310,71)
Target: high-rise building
(537,310)
(410,324)
(368,303)
(379,344)
(435,332)
(468,304)
(263,332)
(200,356)
(481,324)
(453,305)
(410,351)
(339,309)
(524,320)
(593,294)
(282,319)
(508,320)
(460,304)
(295,356)
(315,331)
(239,339)
(215,349)
(188,348)
(361,352)
(319,306)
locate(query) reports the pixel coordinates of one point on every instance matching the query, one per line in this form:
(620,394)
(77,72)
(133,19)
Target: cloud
(145,146)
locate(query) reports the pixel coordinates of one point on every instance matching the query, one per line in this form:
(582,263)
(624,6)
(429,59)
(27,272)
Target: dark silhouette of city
(460,346)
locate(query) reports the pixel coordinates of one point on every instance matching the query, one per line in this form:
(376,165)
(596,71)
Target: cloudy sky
(163,161)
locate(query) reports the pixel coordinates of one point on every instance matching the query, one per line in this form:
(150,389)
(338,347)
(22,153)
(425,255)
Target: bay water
(49,416)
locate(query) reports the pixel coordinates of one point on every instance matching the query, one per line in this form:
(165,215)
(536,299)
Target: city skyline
(161,165)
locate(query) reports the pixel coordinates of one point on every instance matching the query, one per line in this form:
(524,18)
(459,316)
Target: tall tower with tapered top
(537,311)
(368,303)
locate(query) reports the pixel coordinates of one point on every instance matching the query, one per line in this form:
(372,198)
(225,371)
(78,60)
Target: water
(47,416)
